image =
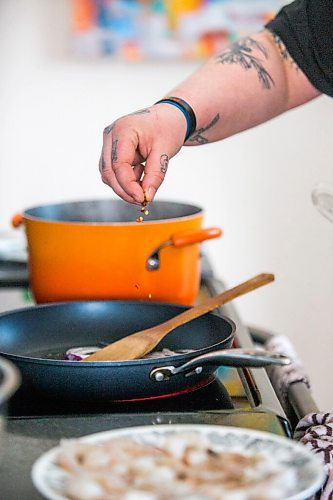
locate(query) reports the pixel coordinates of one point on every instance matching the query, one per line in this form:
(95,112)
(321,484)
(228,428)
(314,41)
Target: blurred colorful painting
(164,29)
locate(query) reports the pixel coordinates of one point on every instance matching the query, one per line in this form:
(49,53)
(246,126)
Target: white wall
(256,185)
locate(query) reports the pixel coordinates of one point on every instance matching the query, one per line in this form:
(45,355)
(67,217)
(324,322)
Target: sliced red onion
(80,353)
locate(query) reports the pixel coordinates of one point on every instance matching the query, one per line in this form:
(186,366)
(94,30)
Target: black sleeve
(306,29)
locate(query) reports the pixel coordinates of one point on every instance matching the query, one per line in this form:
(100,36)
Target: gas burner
(211,395)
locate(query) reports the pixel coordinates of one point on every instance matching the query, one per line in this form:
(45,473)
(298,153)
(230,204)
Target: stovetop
(243,396)
(236,397)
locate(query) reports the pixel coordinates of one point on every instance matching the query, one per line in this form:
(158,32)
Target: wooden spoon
(138,344)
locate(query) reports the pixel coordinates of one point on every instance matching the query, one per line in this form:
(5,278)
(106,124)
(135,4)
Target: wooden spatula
(138,344)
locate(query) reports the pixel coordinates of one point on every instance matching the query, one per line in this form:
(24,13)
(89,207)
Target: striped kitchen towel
(283,377)
(315,431)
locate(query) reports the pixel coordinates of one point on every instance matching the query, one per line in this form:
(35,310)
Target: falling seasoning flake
(143,210)
(136,286)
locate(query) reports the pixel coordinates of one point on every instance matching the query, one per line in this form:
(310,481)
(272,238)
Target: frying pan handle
(239,358)
(17,220)
(192,236)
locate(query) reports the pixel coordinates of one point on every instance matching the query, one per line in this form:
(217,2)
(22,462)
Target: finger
(155,170)
(100,164)
(123,156)
(109,158)
(106,149)
(138,171)
(109,178)
(108,134)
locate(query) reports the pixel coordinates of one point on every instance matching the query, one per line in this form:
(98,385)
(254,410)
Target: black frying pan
(36,339)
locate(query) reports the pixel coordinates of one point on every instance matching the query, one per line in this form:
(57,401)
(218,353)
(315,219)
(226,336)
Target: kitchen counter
(26,439)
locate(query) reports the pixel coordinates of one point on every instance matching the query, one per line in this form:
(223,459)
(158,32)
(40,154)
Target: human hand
(151,135)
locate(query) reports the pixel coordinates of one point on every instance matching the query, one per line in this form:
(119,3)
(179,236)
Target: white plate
(49,479)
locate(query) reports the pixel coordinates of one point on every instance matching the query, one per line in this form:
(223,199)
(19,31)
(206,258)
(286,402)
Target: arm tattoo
(240,53)
(114,155)
(283,50)
(164,161)
(140,112)
(109,129)
(197,134)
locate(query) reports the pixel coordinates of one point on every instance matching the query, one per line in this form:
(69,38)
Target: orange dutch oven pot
(96,250)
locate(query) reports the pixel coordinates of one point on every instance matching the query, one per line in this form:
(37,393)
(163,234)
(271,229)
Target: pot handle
(192,236)
(239,358)
(181,239)
(17,220)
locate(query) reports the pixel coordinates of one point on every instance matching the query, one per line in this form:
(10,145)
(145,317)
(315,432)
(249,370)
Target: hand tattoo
(140,112)
(114,155)
(197,134)
(240,53)
(109,129)
(101,164)
(164,161)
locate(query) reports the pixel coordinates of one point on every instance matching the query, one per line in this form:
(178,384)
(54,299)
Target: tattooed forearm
(140,112)
(283,50)
(114,154)
(197,135)
(164,161)
(240,53)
